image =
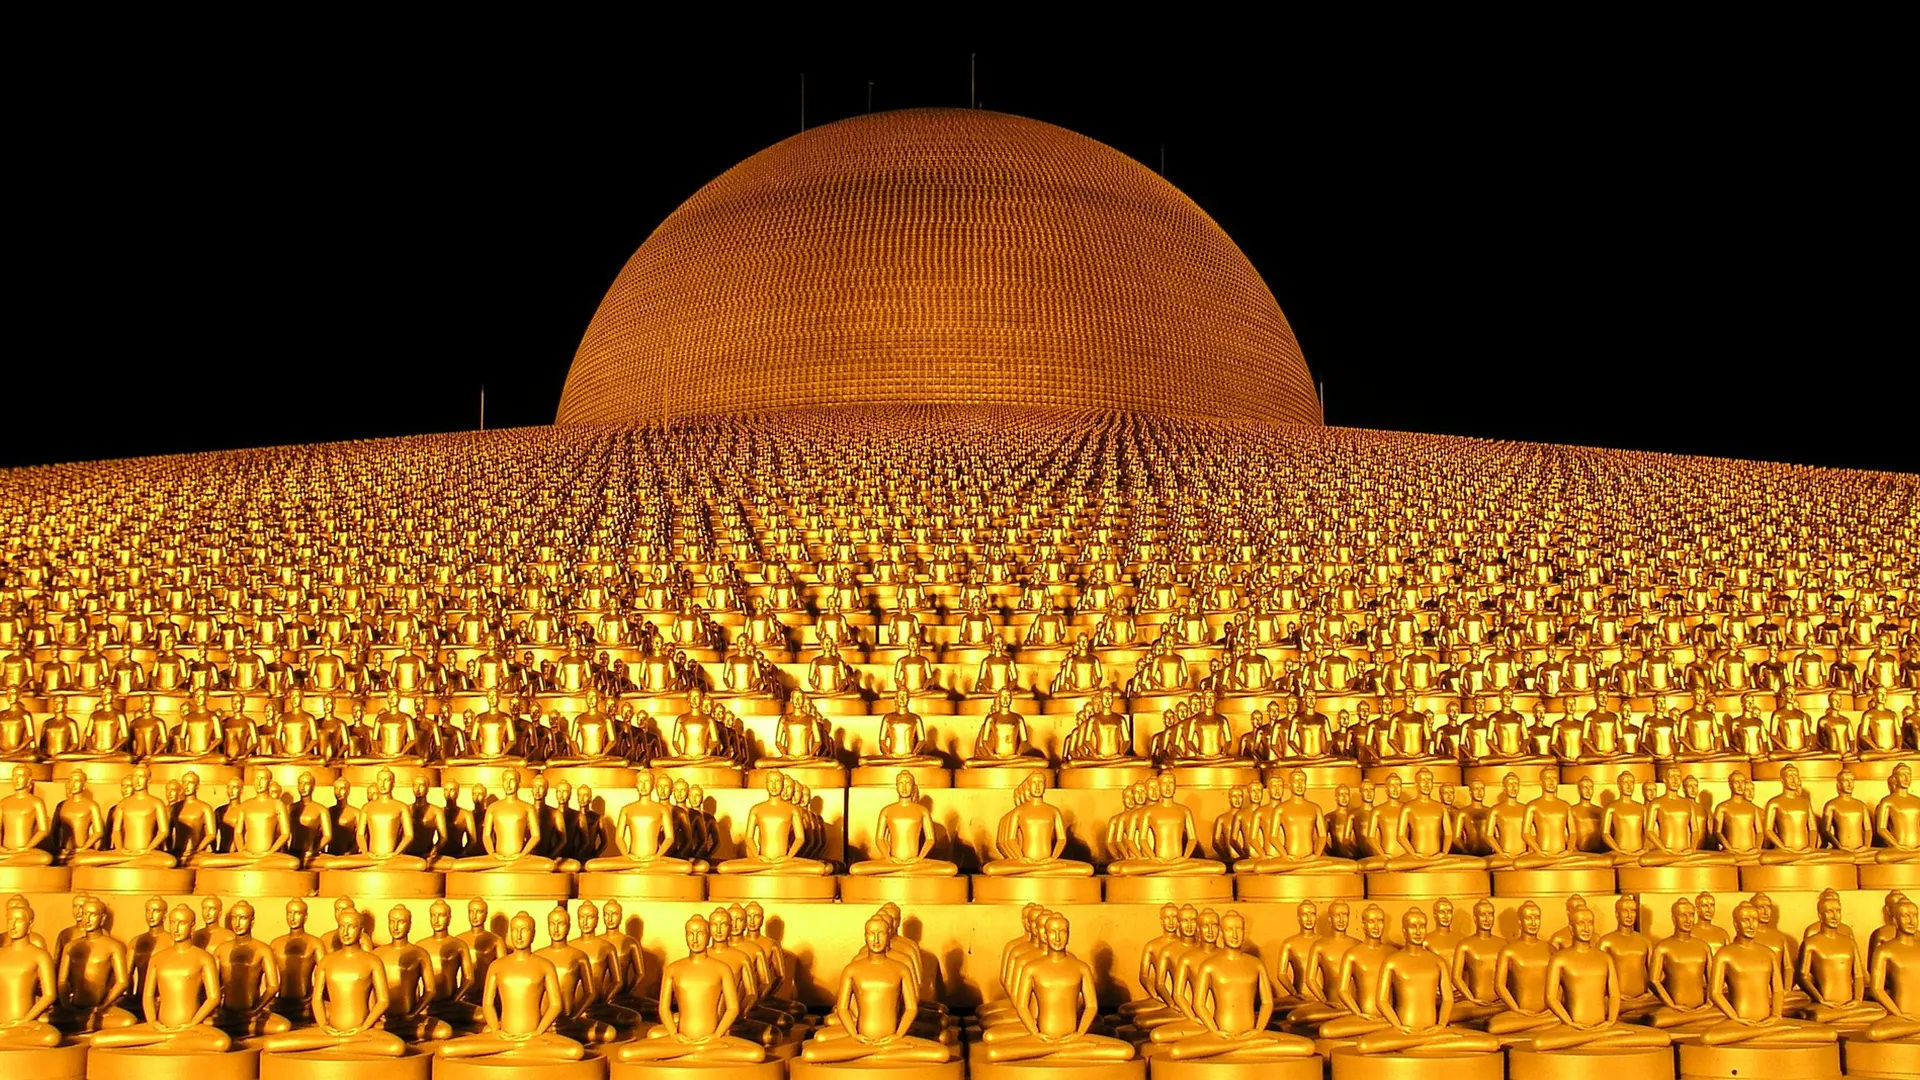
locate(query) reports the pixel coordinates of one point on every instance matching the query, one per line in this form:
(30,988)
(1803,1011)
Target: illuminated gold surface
(938,256)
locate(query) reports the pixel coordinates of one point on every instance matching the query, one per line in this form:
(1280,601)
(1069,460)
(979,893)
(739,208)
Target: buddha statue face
(180,924)
(520,932)
(1843,784)
(477,913)
(210,911)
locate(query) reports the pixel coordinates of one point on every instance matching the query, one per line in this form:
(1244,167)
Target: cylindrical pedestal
(64,1062)
(250,883)
(1429,884)
(999,779)
(818,777)
(329,1065)
(711,777)
(1299,886)
(129,879)
(1445,774)
(621,885)
(1701,1062)
(508,1067)
(1036,890)
(859,1070)
(212,774)
(1690,880)
(1880,877)
(1868,1060)
(979,1068)
(669,1070)
(35,879)
(1349,1064)
(1804,877)
(1319,777)
(382,884)
(403,775)
(1605,774)
(1647,1063)
(1552,882)
(1172,889)
(902,889)
(597,777)
(1163,1067)
(1214,776)
(153,1063)
(1104,777)
(785,888)
(510,884)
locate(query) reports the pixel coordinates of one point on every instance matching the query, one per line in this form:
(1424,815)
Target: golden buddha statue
(178,998)
(1290,837)
(249,980)
(1159,838)
(510,833)
(1417,834)
(1890,979)
(295,954)
(520,1001)
(196,734)
(1002,740)
(1833,971)
(1547,832)
(1584,993)
(262,832)
(1896,820)
(1413,1003)
(1746,985)
(801,738)
(776,836)
(410,983)
(1350,991)
(1101,737)
(700,1001)
(997,670)
(902,739)
(1520,980)
(1230,998)
(876,1005)
(1030,838)
(25,823)
(139,830)
(27,988)
(1791,828)
(903,838)
(18,739)
(645,834)
(93,972)
(383,831)
(1676,834)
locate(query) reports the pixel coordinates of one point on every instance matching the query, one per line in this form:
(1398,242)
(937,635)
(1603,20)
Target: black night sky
(1697,246)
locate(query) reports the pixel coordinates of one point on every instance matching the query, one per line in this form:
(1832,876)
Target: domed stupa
(945,257)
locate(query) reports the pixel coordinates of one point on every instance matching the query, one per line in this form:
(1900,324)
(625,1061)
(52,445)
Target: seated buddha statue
(699,738)
(647,835)
(1117,628)
(1701,735)
(828,675)
(591,738)
(777,837)
(1424,831)
(1508,737)
(262,830)
(391,738)
(18,739)
(1832,969)
(802,737)
(1002,740)
(1080,671)
(1031,838)
(1202,737)
(1891,978)
(1158,837)
(292,737)
(195,737)
(1311,738)
(903,838)
(902,740)
(139,829)
(1549,833)
(998,671)
(1412,1003)
(1744,983)
(1288,833)
(1101,737)
(1880,734)
(1896,820)
(510,833)
(383,831)
(1792,829)
(913,672)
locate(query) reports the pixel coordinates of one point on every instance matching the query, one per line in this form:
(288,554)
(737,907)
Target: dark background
(1630,239)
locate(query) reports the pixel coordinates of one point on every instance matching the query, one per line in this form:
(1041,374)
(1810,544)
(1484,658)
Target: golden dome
(938,256)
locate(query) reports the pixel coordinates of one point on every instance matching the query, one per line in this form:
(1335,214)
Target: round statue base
(850,704)
(1804,877)
(1877,768)
(1868,1060)
(213,774)
(35,879)
(980,704)
(288,775)
(818,777)
(1429,884)
(902,889)
(65,1062)
(1105,777)
(330,1065)
(488,774)
(363,775)
(631,885)
(751,703)
(1605,774)
(1036,890)
(1678,879)
(505,884)
(860,1070)
(102,773)
(927,777)
(1495,774)
(1645,1063)
(1300,886)
(710,777)
(1445,773)
(1225,1067)
(692,1070)
(509,1067)
(1713,772)
(153,881)
(979,1068)
(1215,776)
(154,1063)
(1813,770)
(1323,777)
(1701,1062)
(597,777)
(1169,889)
(381,884)
(1552,882)
(1350,1064)
(1001,778)
(782,887)
(209,881)
(1880,877)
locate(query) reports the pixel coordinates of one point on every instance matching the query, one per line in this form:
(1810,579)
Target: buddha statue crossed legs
(645,835)
(876,1004)
(1746,984)
(1031,837)
(777,836)
(509,832)
(1414,1001)
(180,995)
(1229,999)
(520,1002)
(1054,1007)
(350,999)
(700,1001)
(904,838)
(1583,992)
(26,986)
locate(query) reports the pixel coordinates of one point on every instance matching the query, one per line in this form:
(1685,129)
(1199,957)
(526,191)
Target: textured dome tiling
(939,256)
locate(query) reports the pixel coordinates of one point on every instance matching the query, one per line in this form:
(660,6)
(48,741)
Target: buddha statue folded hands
(776,838)
(1157,836)
(903,838)
(1031,838)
